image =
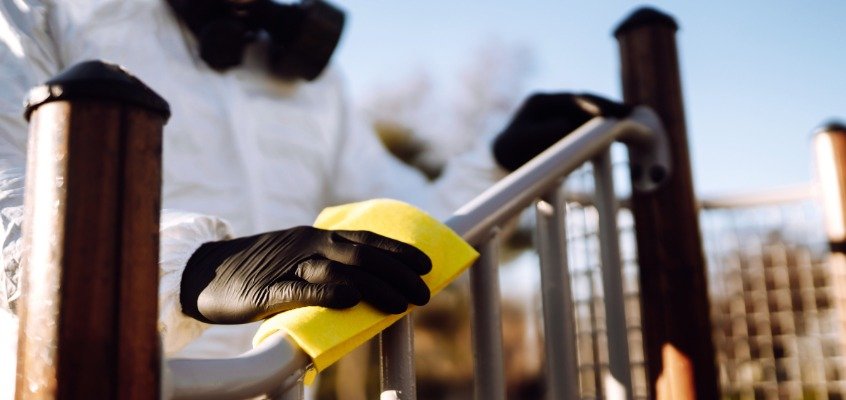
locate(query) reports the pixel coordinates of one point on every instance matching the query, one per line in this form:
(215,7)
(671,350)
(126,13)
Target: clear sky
(758,75)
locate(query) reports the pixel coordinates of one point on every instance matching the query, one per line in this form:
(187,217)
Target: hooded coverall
(244,152)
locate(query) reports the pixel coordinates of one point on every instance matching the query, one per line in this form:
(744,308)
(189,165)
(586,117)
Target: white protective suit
(242,150)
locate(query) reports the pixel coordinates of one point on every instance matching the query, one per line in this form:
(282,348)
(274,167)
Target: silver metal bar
(261,370)
(486,325)
(619,384)
(396,361)
(775,196)
(758,198)
(276,364)
(515,192)
(562,374)
(295,392)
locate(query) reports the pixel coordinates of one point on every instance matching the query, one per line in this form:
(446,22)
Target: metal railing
(778,331)
(93,145)
(775,320)
(585,269)
(772,284)
(276,367)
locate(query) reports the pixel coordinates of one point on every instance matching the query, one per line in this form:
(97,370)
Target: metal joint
(649,148)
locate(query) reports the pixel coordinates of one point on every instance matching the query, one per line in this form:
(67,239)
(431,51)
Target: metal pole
(487,324)
(674,299)
(562,373)
(830,151)
(297,392)
(619,384)
(396,355)
(89,313)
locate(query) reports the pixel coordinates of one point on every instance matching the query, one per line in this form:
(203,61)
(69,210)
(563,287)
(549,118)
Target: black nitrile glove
(544,119)
(251,278)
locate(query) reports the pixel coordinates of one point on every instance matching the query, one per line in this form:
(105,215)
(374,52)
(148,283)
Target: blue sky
(758,76)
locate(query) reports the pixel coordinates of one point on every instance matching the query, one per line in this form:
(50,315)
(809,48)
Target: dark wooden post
(830,152)
(89,311)
(674,298)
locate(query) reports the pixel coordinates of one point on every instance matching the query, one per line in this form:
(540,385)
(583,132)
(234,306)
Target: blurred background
(759,77)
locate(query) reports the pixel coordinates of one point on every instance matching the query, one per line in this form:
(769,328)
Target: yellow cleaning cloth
(327,335)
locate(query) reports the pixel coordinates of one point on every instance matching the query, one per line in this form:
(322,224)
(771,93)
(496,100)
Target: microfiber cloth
(325,334)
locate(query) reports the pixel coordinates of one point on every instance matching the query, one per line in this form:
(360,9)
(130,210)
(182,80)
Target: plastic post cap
(833,126)
(645,16)
(96,80)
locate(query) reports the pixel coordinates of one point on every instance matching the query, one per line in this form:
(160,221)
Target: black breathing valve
(301,37)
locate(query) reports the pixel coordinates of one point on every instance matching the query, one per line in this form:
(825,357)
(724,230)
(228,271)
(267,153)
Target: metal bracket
(649,149)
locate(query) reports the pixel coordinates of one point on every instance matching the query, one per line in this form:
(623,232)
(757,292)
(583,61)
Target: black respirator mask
(301,37)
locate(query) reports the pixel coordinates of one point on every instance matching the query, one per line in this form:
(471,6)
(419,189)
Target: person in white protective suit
(261,139)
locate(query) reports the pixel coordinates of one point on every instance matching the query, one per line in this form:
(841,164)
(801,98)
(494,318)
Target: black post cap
(832,126)
(645,16)
(96,80)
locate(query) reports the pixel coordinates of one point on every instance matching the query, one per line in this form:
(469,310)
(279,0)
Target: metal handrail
(775,196)
(763,197)
(642,131)
(276,365)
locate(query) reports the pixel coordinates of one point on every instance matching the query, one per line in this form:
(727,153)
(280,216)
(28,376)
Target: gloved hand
(544,119)
(251,278)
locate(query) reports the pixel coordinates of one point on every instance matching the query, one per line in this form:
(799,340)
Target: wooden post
(830,152)
(89,308)
(673,289)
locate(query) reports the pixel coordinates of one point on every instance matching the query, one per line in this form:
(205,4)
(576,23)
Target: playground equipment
(96,154)
(260,371)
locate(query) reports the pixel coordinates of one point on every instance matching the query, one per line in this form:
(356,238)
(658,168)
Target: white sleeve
(365,169)
(181,235)
(28,57)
